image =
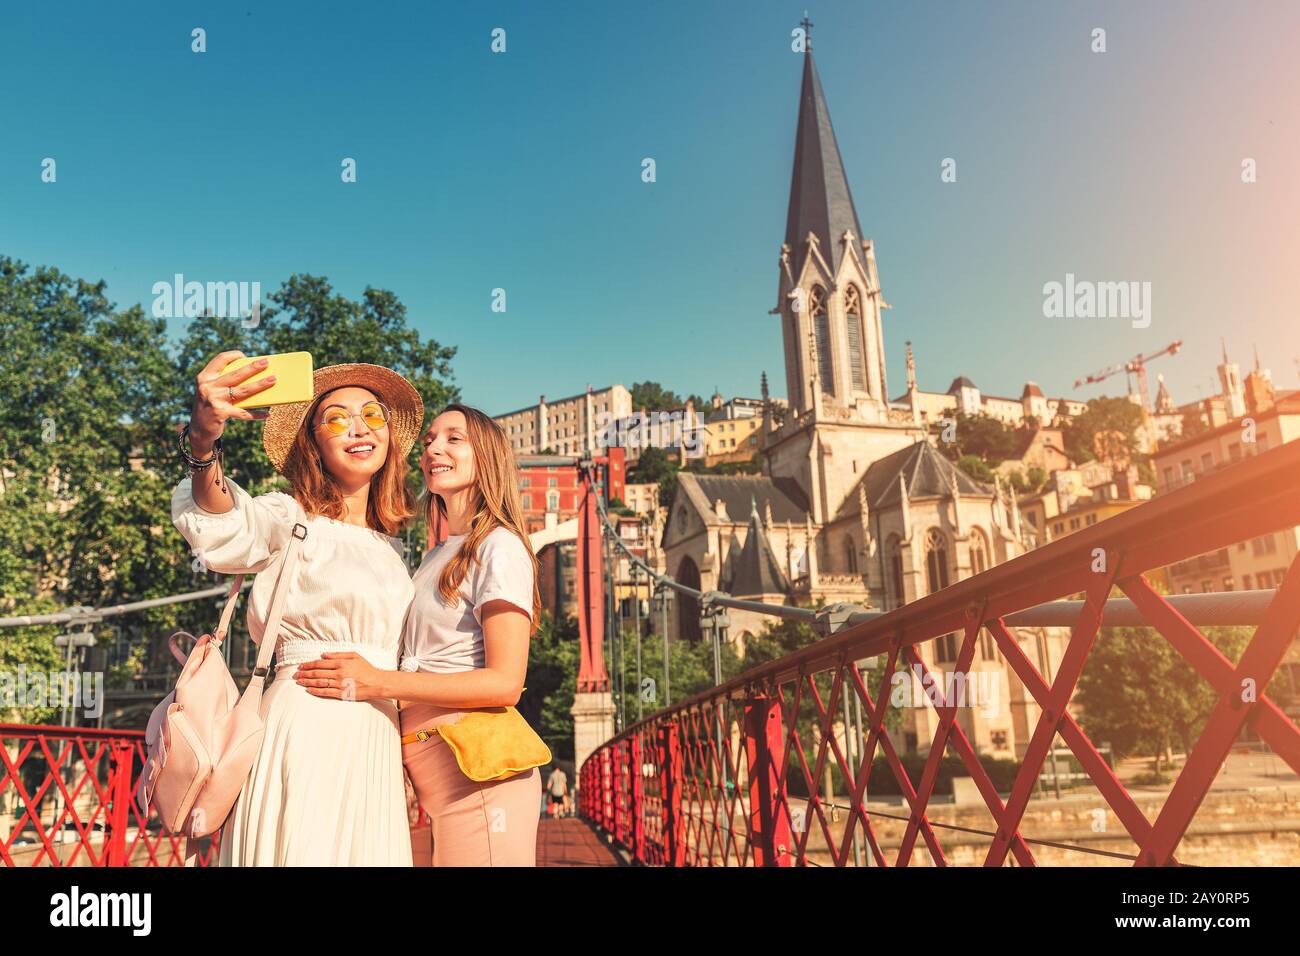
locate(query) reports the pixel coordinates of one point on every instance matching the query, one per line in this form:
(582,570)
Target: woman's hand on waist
(343,675)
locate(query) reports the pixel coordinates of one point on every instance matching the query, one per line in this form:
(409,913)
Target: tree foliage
(94,396)
(1141,696)
(1116,418)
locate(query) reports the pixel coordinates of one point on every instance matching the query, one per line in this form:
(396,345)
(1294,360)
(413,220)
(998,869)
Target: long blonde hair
(498,506)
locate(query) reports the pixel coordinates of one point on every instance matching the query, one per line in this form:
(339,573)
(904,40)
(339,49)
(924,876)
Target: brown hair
(390,502)
(498,505)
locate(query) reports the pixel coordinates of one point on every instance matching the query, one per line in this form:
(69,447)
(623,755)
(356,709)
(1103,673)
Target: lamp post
(662,599)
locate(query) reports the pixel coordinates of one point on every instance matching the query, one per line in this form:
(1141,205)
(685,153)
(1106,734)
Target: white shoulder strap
(282,584)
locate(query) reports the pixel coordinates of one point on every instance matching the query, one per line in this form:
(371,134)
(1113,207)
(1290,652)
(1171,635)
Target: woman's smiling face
(448,458)
(360,451)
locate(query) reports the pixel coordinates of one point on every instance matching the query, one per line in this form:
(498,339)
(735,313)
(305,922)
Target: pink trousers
(474,824)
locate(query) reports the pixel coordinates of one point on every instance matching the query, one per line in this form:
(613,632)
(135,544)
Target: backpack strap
(228,611)
(288,566)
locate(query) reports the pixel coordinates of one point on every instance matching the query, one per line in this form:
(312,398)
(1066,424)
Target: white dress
(327,787)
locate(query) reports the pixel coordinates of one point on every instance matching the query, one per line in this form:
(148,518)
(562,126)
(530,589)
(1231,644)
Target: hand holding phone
(232,383)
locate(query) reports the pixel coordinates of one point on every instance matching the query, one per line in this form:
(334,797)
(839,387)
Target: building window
(979,561)
(1207,587)
(894,551)
(936,560)
(552,501)
(1265,544)
(551,482)
(1264,580)
(528,502)
(1227,582)
(853,313)
(1090,520)
(822,336)
(850,556)
(945,650)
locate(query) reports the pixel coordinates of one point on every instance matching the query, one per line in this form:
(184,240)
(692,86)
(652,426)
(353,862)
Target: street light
(79,639)
(663,598)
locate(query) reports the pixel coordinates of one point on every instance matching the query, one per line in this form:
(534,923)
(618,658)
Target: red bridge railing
(66,800)
(731,776)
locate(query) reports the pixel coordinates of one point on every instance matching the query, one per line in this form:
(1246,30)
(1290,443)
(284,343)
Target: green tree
(88,461)
(653,397)
(86,458)
(1141,696)
(1193,424)
(551,682)
(975,466)
(655,465)
(981,438)
(1103,414)
(1028,482)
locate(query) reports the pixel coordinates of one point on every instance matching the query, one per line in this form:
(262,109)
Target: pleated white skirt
(327,787)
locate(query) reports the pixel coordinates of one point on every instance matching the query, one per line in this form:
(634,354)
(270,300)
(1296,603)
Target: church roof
(1031,391)
(959,383)
(925,471)
(757,570)
(820,201)
(739,493)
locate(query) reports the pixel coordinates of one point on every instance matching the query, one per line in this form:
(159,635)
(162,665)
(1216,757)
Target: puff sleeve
(505,573)
(244,539)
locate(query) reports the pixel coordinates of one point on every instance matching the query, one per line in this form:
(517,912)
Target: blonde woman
(465,645)
(326,787)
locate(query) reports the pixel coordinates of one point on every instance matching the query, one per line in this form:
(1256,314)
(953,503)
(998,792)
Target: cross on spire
(807,30)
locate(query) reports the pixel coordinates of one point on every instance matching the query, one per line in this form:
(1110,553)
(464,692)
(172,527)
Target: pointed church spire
(820,201)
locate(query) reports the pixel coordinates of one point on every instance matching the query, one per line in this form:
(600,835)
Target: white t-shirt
(447,639)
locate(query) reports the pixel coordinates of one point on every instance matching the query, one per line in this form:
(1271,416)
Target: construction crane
(1134,366)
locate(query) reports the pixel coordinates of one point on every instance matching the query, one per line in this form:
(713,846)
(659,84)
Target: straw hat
(406,410)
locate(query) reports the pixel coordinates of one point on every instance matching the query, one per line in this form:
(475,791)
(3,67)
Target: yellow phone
(293,379)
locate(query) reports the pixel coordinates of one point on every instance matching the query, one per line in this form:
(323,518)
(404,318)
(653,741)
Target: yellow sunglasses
(336,420)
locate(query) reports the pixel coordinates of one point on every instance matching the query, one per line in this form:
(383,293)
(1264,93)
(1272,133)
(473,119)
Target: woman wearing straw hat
(327,786)
(465,646)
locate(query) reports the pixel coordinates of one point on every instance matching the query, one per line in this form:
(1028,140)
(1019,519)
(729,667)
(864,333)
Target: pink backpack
(203,737)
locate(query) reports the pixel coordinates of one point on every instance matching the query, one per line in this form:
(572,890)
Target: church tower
(828,290)
(839,418)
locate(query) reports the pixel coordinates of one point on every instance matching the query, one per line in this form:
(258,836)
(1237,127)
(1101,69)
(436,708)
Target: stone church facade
(854,503)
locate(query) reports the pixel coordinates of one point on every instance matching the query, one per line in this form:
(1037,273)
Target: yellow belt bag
(490,744)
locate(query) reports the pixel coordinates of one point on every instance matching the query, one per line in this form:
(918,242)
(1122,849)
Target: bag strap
(287,567)
(228,611)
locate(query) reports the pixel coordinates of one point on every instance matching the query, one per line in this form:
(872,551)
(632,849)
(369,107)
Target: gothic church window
(895,552)
(979,553)
(936,560)
(822,335)
(853,313)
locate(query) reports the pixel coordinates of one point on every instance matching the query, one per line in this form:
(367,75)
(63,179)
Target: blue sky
(522,171)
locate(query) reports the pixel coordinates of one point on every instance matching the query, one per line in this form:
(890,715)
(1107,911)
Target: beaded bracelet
(196,464)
